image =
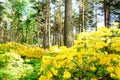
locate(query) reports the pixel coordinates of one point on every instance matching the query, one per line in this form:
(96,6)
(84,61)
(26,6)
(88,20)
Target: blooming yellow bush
(94,56)
(29,51)
(22,49)
(104,40)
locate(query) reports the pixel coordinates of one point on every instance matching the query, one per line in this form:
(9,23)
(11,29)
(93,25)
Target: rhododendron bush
(24,50)
(19,61)
(95,55)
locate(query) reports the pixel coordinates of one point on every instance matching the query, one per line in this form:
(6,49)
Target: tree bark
(96,7)
(45,33)
(2,35)
(109,12)
(68,29)
(46,38)
(79,25)
(105,8)
(108,17)
(38,24)
(61,26)
(83,17)
(48,21)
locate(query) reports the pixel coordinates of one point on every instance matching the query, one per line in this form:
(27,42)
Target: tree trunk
(83,17)
(105,8)
(95,7)
(2,35)
(48,21)
(45,30)
(38,26)
(61,27)
(44,40)
(61,39)
(12,32)
(109,12)
(38,31)
(119,22)
(68,29)
(108,17)
(26,36)
(79,25)
(46,37)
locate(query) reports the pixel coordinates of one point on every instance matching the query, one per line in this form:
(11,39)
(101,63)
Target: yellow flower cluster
(94,56)
(29,51)
(67,74)
(102,40)
(22,49)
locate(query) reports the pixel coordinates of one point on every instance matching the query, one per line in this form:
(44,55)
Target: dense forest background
(54,22)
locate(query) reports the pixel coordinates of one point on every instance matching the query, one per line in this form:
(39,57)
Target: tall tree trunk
(38,31)
(83,16)
(79,25)
(12,32)
(46,38)
(119,22)
(2,35)
(105,10)
(95,7)
(109,12)
(53,42)
(108,17)
(68,29)
(61,27)
(5,35)
(45,28)
(38,25)
(48,21)
(26,36)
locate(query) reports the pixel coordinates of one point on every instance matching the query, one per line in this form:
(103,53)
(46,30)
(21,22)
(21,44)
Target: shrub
(13,67)
(24,50)
(29,51)
(103,40)
(94,56)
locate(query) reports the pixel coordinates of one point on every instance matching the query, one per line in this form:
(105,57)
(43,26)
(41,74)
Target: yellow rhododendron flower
(57,65)
(49,75)
(80,61)
(110,69)
(115,44)
(117,49)
(93,68)
(105,60)
(94,79)
(117,71)
(112,75)
(67,74)
(71,65)
(54,49)
(54,71)
(42,78)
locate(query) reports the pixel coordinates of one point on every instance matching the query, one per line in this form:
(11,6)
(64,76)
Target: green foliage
(33,75)
(13,67)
